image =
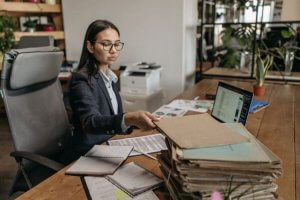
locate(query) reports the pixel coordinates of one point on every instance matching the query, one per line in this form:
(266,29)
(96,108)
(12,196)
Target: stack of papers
(134,180)
(236,164)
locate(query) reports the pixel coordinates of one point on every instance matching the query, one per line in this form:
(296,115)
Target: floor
(8,166)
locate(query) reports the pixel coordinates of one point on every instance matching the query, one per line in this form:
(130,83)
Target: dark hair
(88,63)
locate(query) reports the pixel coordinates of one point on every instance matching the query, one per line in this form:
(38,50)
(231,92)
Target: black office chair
(35,41)
(35,109)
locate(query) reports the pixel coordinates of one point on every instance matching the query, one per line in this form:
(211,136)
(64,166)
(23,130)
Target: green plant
(263,62)
(265,56)
(290,45)
(236,40)
(7,39)
(30,23)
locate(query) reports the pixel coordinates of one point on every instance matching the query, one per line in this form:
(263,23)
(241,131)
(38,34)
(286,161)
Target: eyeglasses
(107,46)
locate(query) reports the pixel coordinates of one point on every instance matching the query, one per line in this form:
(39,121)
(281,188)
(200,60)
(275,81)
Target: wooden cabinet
(17,9)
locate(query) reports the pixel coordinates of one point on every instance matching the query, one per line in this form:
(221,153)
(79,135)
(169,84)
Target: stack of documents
(129,182)
(197,162)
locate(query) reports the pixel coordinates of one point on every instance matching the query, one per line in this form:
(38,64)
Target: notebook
(98,188)
(231,104)
(100,160)
(257,105)
(134,180)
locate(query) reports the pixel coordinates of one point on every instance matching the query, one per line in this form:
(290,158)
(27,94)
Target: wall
(290,10)
(153,31)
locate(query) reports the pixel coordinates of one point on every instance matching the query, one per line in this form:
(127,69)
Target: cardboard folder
(196,131)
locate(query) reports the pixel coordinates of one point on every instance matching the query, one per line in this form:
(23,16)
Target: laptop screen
(231,104)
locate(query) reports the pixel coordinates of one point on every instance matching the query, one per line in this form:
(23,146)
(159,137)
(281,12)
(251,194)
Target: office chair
(35,41)
(35,109)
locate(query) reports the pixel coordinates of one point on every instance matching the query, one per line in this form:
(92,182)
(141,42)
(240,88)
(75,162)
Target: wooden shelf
(29,7)
(58,35)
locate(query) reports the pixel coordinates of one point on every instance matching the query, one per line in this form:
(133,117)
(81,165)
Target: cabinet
(18,9)
(225,51)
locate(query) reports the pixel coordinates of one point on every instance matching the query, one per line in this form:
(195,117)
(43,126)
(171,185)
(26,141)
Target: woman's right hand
(141,119)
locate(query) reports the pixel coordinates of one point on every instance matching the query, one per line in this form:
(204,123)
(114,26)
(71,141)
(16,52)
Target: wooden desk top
(275,126)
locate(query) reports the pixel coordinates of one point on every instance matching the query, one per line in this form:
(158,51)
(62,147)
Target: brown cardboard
(196,131)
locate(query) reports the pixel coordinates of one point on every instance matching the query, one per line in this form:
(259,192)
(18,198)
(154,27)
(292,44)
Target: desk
(65,76)
(276,126)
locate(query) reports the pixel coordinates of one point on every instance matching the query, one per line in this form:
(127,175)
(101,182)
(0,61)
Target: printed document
(147,144)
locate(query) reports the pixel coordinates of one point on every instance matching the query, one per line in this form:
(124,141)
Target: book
(100,160)
(257,105)
(134,180)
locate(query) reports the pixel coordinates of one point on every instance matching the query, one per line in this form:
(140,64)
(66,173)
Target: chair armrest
(37,159)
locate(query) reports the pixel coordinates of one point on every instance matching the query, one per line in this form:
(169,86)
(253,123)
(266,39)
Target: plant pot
(259,90)
(48,28)
(31,29)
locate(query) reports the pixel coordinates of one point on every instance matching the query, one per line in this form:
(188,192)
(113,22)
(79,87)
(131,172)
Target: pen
(145,154)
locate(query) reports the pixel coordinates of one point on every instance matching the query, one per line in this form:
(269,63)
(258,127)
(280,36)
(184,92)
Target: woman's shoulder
(82,77)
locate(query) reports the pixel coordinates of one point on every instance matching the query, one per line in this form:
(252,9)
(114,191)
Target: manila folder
(197,131)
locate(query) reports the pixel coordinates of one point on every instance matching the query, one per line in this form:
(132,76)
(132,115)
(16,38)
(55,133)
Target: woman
(96,104)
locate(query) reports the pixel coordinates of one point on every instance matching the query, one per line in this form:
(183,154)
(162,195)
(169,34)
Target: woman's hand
(141,119)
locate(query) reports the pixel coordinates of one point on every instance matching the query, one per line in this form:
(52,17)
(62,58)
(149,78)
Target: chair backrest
(33,99)
(35,41)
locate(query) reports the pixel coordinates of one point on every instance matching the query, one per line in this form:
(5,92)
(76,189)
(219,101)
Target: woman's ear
(89,47)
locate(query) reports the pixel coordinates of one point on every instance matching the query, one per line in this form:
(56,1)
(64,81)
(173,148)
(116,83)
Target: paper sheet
(192,105)
(100,188)
(166,111)
(148,144)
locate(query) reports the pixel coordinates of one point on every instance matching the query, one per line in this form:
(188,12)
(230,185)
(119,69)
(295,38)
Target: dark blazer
(93,117)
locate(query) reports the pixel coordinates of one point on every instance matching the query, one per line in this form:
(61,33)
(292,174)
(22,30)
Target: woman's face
(106,46)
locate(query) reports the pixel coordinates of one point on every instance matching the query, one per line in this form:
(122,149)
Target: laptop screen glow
(231,104)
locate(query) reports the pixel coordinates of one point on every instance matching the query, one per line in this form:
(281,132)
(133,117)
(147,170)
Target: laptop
(231,104)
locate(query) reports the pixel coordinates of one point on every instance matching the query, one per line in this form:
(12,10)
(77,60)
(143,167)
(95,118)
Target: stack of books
(239,169)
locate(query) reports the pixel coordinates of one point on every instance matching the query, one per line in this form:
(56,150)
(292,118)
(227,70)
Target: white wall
(153,31)
(290,10)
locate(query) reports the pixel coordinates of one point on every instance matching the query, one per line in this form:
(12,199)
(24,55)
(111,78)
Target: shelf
(58,35)
(249,23)
(22,7)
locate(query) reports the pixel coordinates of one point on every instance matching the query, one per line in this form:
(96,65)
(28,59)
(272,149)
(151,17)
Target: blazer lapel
(104,89)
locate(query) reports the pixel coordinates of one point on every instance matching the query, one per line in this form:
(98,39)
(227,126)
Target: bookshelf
(23,7)
(17,9)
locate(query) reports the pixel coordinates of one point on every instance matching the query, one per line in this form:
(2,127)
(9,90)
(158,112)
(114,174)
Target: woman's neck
(103,68)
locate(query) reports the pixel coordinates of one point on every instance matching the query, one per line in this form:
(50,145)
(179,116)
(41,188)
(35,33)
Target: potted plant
(30,25)
(237,41)
(7,38)
(264,60)
(287,51)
